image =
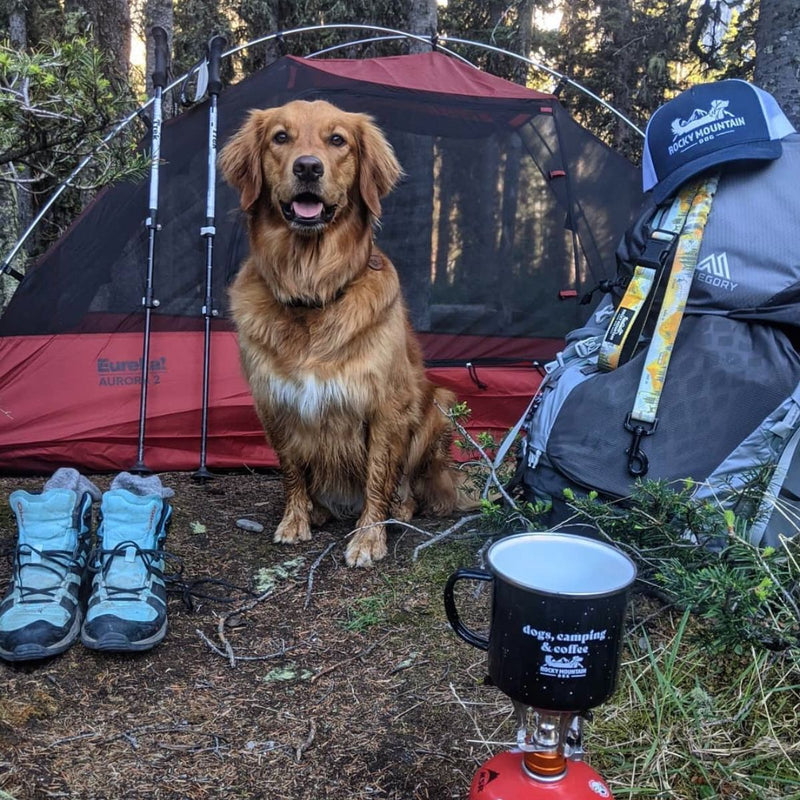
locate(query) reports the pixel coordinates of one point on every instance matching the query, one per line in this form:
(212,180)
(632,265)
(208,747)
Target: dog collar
(299,302)
(375,262)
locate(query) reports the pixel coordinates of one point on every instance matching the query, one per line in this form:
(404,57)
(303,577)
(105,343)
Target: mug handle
(470,637)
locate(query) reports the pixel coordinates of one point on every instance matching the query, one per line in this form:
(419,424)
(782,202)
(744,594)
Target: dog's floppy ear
(240,159)
(379,169)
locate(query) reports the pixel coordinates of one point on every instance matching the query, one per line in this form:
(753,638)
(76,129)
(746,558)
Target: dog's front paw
(292,529)
(366,547)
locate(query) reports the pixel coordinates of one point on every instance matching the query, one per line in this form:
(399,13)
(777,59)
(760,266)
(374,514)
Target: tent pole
(148,301)
(5,265)
(215,46)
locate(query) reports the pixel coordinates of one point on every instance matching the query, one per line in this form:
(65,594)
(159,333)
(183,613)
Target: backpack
(730,403)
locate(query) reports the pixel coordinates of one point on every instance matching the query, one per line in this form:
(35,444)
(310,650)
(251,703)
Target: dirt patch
(328,682)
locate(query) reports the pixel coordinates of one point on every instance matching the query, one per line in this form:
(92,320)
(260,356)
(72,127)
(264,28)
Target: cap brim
(752,151)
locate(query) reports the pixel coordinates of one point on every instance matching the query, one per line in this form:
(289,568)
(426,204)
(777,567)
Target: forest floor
(286,675)
(313,680)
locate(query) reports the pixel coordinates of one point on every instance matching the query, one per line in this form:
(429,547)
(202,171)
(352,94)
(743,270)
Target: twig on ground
(406,711)
(130,739)
(225,643)
(227,651)
(303,746)
(365,652)
(266,657)
(218,742)
(78,737)
(481,554)
(390,521)
(445,533)
(469,713)
(313,569)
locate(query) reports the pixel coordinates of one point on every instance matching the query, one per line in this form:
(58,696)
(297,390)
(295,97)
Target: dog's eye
(281,137)
(337,140)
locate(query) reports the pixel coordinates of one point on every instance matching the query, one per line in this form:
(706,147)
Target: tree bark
(15,199)
(417,267)
(156,12)
(17,26)
(777,68)
(111,32)
(422,21)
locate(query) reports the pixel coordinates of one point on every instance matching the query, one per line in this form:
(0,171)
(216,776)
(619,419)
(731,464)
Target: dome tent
(507,202)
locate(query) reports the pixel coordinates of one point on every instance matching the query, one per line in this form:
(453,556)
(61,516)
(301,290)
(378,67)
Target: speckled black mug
(558,610)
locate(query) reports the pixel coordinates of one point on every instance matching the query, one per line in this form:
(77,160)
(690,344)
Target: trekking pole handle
(216,44)
(160,56)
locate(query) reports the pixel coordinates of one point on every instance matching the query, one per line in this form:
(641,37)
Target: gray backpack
(730,405)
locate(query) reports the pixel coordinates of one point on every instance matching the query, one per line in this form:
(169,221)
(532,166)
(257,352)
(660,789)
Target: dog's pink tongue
(306,210)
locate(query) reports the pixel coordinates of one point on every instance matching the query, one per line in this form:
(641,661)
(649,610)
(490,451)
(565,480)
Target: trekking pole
(215,47)
(161,58)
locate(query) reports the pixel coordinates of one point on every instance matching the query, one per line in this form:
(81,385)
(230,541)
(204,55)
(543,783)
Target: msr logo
(485,777)
(715,271)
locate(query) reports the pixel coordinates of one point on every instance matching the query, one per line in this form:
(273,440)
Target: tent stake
(148,301)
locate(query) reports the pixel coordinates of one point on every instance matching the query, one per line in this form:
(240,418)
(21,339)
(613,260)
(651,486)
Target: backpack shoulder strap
(643,419)
(649,267)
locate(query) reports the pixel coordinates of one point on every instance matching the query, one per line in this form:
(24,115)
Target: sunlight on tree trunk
(778,54)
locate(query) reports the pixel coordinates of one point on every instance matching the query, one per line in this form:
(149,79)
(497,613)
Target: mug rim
(578,540)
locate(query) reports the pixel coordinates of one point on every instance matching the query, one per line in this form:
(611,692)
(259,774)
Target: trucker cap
(710,124)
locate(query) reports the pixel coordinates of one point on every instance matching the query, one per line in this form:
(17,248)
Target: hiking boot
(41,612)
(127,608)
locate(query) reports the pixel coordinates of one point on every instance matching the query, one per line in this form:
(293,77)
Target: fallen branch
(303,746)
(312,570)
(365,652)
(277,654)
(445,533)
(227,649)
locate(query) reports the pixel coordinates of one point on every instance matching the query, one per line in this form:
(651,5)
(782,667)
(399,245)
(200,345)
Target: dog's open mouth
(307,209)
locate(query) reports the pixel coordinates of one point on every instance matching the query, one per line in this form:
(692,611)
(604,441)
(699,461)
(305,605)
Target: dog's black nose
(308,168)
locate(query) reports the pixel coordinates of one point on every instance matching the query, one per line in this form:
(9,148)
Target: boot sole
(119,643)
(33,651)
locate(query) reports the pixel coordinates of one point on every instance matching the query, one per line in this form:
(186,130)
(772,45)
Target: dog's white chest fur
(309,396)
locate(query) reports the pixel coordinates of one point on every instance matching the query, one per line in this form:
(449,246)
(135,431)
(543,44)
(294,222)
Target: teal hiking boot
(41,612)
(127,609)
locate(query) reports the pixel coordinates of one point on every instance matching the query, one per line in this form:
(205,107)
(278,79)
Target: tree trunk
(17,26)
(418,165)
(777,67)
(16,204)
(422,21)
(156,12)
(111,32)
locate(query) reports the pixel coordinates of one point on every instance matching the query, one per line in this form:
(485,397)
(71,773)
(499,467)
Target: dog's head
(311,163)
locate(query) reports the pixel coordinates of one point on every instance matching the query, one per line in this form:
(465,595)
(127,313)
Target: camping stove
(547,763)
(553,647)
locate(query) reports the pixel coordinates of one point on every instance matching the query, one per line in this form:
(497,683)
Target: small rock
(249,525)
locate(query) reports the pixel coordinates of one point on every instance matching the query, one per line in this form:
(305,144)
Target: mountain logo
(703,125)
(714,270)
(718,110)
(715,265)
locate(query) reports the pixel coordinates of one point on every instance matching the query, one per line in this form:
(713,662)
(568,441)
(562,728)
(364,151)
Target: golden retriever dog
(335,370)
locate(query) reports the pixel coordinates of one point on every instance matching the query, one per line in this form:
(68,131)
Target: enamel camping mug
(558,610)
